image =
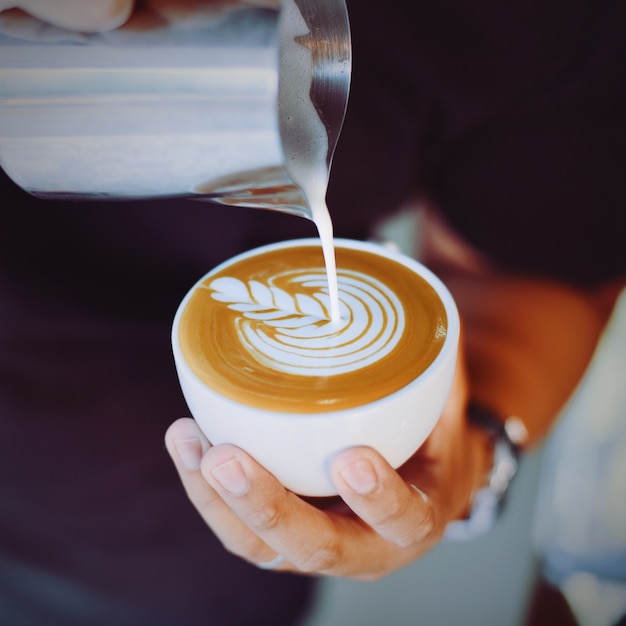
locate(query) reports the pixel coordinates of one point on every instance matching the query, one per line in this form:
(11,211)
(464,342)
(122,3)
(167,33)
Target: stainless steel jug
(223,104)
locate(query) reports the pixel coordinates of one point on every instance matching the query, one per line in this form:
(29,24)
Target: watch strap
(489,501)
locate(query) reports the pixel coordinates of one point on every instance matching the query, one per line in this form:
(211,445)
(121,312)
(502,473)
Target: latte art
(289,330)
(258,329)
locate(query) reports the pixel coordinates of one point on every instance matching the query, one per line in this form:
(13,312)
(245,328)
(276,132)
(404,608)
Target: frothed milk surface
(259,332)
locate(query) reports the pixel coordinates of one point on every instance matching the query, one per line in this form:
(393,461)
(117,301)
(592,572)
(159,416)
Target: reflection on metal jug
(226,101)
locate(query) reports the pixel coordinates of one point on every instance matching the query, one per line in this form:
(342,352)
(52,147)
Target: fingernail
(189,452)
(232,477)
(424,496)
(360,476)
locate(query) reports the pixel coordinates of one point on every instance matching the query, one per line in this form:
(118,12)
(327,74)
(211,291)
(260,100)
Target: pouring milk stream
(306,140)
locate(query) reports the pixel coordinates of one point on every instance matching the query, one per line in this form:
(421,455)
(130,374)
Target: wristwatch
(489,501)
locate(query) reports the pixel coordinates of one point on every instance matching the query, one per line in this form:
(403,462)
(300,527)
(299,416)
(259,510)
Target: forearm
(528,341)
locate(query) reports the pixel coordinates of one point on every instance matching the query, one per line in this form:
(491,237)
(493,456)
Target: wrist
(497,458)
(481,445)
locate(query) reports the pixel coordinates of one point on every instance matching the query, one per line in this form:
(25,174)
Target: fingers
(242,503)
(187,445)
(92,16)
(401,514)
(256,518)
(305,536)
(394,522)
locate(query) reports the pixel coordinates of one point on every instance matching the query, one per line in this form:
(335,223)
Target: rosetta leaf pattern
(257,300)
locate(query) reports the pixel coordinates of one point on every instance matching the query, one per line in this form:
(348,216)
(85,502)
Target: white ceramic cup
(298,448)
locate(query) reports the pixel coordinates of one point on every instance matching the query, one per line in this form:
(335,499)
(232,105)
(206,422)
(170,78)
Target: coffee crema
(259,330)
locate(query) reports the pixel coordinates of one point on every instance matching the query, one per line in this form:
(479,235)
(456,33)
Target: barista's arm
(527,342)
(528,339)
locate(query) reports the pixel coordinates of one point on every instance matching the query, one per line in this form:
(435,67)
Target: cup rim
(450,343)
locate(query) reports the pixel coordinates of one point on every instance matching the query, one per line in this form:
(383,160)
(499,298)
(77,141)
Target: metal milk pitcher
(217,100)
